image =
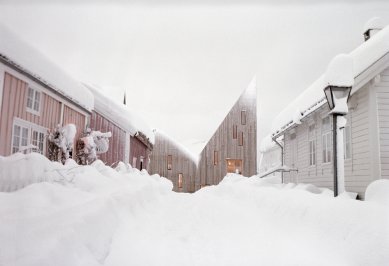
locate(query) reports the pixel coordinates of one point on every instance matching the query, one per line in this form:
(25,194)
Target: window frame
(34,96)
(326,137)
(312,145)
(180,180)
(345,135)
(169,162)
(31,127)
(243,117)
(234,131)
(215,157)
(241,138)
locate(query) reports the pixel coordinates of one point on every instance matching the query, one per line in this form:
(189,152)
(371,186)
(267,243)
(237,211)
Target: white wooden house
(305,126)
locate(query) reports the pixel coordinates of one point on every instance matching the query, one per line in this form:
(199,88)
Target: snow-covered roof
(373,24)
(120,114)
(267,144)
(30,61)
(179,146)
(313,97)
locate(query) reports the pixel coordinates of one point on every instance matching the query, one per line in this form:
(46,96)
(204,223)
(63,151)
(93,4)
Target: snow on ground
(95,215)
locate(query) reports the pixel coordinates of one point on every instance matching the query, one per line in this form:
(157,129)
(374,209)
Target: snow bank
(378,191)
(31,61)
(102,216)
(313,97)
(120,114)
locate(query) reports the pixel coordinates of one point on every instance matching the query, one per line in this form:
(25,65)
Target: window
(347,142)
(312,145)
(25,133)
(327,140)
(243,117)
(215,157)
(134,159)
(234,131)
(33,100)
(169,162)
(234,166)
(180,177)
(240,140)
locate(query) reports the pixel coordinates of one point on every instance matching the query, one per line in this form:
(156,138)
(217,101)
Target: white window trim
(31,127)
(351,144)
(309,145)
(323,133)
(31,110)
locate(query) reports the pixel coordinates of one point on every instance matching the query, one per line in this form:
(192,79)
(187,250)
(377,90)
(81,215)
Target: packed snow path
(95,215)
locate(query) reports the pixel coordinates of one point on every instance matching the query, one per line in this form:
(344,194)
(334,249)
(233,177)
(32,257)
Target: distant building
(233,147)
(305,126)
(171,160)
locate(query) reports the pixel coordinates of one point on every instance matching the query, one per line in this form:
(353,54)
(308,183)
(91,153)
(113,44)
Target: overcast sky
(185,63)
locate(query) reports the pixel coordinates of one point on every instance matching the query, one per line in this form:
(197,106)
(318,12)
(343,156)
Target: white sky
(185,63)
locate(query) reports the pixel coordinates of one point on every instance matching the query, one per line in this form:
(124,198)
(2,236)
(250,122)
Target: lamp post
(337,97)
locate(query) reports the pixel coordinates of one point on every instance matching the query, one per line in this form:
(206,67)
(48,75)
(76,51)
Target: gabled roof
(364,56)
(27,60)
(121,115)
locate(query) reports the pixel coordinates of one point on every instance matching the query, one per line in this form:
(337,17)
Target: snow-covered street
(95,215)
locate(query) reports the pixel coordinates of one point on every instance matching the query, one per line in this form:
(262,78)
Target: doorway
(234,166)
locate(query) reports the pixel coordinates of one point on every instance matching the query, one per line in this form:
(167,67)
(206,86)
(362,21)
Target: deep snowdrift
(95,215)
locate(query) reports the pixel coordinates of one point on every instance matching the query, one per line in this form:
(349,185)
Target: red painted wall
(138,149)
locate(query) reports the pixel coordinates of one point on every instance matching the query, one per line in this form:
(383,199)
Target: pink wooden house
(35,96)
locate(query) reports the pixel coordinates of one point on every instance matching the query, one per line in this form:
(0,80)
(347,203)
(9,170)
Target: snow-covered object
(94,143)
(63,138)
(340,71)
(26,58)
(179,146)
(313,97)
(374,23)
(120,114)
(378,192)
(99,216)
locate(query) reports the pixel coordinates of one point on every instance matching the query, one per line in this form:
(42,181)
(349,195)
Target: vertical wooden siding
(14,104)
(138,149)
(228,147)
(116,149)
(71,116)
(181,164)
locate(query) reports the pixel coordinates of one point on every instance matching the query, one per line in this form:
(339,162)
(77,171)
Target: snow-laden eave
(365,56)
(121,115)
(5,60)
(193,157)
(23,58)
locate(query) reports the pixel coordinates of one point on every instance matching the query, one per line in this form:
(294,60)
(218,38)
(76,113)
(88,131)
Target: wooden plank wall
(357,168)
(222,141)
(182,163)
(138,149)
(116,149)
(382,90)
(14,104)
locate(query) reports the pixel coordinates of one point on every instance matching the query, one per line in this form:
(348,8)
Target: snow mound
(374,23)
(378,192)
(340,71)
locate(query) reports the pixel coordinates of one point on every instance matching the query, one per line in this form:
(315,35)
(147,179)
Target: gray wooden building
(307,140)
(233,147)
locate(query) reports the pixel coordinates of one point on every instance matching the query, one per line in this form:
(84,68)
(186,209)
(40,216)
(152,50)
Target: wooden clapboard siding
(117,142)
(223,142)
(71,116)
(382,91)
(139,150)
(357,168)
(14,104)
(181,164)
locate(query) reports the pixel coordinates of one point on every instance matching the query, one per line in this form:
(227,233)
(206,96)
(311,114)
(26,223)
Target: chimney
(372,26)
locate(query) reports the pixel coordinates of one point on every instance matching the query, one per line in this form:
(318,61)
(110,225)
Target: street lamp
(339,78)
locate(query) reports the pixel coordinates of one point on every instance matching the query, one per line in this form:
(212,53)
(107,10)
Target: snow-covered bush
(61,142)
(94,143)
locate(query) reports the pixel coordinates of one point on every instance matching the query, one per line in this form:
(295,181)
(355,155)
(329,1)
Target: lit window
(312,145)
(169,162)
(347,142)
(327,140)
(215,157)
(33,100)
(240,140)
(234,131)
(180,177)
(243,117)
